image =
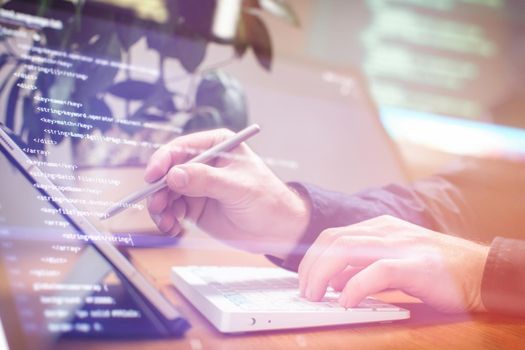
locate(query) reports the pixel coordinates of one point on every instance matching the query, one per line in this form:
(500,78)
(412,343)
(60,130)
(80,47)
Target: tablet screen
(53,282)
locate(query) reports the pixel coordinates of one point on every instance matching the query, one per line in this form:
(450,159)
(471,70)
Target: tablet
(59,276)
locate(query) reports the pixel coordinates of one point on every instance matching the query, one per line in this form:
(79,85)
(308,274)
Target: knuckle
(387,218)
(329,234)
(343,242)
(349,243)
(394,241)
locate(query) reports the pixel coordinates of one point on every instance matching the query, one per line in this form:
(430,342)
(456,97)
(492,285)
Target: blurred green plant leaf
(130,33)
(159,103)
(259,39)
(98,107)
(190,52)
(100,77)
(158,37)
(132,89)
(161,110)
(240,44)
(196,17)
(168,105)
(183,35)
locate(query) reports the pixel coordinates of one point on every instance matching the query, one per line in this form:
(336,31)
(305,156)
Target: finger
(338,282)
(176,230)
(344,251)
(381,275)
(173,196)
(381,226)
(164,221)
(181,150)
(201,180)
(179,209)
(324,239)
(158,165)
(158,201)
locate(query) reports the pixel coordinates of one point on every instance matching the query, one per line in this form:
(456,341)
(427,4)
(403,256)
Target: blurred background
(447,75)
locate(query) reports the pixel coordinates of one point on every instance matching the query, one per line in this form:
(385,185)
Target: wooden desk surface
(426,329)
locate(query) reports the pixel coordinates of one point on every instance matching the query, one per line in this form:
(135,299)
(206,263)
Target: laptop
(59,276)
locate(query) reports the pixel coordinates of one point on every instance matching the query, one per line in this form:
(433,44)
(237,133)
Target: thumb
(201,180)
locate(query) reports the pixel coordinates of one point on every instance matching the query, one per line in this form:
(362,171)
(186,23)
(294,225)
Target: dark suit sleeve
(426,203)
(503,286)
(473,199)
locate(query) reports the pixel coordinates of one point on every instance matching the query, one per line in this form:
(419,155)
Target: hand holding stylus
(235,198)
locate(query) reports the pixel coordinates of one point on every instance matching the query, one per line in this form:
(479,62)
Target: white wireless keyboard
(261,291)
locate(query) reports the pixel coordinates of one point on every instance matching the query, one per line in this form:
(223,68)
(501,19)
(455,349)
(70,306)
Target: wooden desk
(426,329)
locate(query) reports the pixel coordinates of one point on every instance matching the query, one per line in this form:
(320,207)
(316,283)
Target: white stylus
(204,157)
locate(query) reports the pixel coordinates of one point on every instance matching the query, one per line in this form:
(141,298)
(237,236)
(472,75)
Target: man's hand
(388,253)
(236,198)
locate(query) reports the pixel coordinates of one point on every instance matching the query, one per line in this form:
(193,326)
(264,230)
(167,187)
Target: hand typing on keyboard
(385,252)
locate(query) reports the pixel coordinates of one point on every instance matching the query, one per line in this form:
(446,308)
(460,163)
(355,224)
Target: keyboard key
(271,291)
